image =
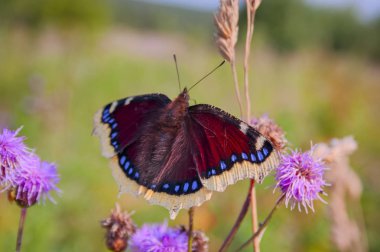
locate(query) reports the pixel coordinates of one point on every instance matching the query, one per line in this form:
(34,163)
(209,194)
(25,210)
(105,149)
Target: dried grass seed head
(226,21)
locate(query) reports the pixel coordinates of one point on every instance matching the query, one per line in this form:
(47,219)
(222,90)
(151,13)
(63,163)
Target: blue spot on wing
(130,170)
(137,175)
(113,135)
(260,156)
(126,165)
(244,156)
(176,188)
(233,158)
(265,151)
(223,165)
(194,185)
(122,160)
(186,187)
(253,157)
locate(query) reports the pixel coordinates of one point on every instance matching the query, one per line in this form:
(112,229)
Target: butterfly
(175,155)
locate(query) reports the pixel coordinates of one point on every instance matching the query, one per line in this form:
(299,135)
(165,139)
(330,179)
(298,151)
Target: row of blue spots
(259,157)
(115,144)
(183,188)
(108,119)
(106,115)
(128,168)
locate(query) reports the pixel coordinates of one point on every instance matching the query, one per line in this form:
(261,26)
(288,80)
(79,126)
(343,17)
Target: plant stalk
(243,212)
(236,84)
(21,228)
(190,232)
(255,222)
(262,225)
(251,10)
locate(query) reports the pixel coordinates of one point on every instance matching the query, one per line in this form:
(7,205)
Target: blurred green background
(314,70)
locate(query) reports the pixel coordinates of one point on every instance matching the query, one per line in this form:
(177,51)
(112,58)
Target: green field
(53,80)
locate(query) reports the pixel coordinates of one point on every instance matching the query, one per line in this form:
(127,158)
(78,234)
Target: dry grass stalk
(226,21)
(252,6)
(347,233)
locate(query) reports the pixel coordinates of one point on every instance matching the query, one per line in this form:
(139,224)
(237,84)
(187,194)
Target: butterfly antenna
(176,67)
(204,77)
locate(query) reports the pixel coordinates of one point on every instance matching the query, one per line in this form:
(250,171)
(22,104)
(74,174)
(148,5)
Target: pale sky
(367,9)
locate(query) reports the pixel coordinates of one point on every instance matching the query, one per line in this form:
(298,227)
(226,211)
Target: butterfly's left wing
(227,149)
(118,124)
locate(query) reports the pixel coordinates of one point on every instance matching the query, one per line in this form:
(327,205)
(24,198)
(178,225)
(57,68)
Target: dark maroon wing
(227,149)
(118,124)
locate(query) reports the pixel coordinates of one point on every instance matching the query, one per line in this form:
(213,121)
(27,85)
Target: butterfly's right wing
(227,149)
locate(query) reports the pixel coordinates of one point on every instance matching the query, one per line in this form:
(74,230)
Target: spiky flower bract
(270,130)
(34,181)
(158,238)
(120,227)
(12,152)
(300,177)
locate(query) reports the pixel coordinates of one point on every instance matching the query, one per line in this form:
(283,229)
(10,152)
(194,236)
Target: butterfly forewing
(226,149)
(118,123)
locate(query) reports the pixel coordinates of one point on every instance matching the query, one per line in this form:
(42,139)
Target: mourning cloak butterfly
(174,154)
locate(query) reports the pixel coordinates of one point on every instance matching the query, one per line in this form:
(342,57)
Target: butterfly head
(185,95)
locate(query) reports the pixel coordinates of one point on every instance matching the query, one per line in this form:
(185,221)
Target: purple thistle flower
(158,238)
(34,180)
(12,152)
(300,178)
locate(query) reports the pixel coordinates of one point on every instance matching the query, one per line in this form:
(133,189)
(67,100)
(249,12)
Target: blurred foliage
(36,13)
(286,25)
(151,16)
(293,25)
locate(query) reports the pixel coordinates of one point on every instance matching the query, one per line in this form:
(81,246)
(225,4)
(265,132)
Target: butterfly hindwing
(227,149)
(176,188)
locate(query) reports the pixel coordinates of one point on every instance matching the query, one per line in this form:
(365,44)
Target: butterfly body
(174,154)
